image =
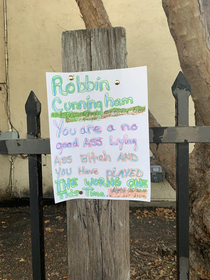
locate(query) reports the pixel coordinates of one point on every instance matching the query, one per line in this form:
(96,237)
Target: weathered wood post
(98,230)
(33,109)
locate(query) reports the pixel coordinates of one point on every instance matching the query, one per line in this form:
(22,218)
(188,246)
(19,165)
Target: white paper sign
(99,134)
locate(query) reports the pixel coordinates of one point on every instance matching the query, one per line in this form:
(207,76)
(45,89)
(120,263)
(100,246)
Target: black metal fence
(181,135)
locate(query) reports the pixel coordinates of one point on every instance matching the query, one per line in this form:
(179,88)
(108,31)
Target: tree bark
(93,13)
(189,27)
(98,230)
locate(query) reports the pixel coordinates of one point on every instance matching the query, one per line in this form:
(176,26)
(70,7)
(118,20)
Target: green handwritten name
(91,108)
(78,86)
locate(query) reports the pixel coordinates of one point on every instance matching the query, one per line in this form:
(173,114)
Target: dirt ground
(152,243)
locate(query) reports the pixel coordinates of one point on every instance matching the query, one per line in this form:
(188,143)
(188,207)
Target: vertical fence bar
(181,91)
(33,109)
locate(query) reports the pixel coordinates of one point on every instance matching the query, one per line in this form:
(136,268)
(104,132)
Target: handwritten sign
(99,134)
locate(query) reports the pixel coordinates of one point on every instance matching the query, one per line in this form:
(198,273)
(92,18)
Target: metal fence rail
(164,135)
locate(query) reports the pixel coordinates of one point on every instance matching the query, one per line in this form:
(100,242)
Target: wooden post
(33,109)
(98,230)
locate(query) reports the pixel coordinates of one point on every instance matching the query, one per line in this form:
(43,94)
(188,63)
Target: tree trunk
(189,27)
(93,13)
(95,16)
(98,230)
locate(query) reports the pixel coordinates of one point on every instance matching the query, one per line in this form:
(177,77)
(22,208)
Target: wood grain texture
(98,230)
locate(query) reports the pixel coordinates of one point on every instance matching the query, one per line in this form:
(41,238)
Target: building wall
(5,188)
(34,47)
